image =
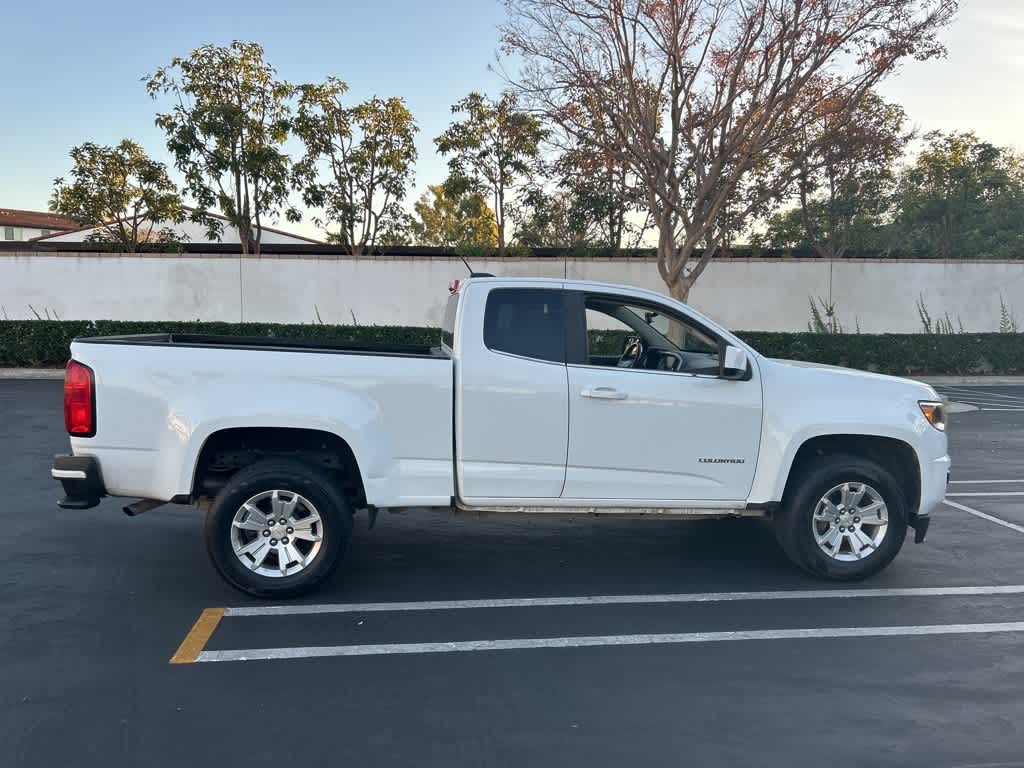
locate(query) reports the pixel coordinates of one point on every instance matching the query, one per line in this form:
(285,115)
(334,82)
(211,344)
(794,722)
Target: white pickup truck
(543,396)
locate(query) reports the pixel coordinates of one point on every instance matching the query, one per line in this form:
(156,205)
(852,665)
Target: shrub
(46,342)
(899,354)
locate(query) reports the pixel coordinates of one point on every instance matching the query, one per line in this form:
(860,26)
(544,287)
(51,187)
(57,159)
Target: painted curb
(31,373)
(972,381)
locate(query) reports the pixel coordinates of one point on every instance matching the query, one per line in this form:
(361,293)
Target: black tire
(793,522)
(316,485)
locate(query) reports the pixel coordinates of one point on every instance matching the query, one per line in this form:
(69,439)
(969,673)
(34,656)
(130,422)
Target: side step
(679,513)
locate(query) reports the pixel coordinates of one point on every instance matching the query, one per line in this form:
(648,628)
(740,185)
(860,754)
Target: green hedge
(899,353)
(45,343)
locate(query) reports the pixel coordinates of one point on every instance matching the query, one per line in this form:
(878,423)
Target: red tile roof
(12,217)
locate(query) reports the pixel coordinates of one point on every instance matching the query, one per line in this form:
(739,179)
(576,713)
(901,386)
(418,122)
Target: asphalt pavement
(513,641)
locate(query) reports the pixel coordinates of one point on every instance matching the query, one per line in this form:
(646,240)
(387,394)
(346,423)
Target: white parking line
(980,393)
(984,482)
(988,403)
(685,597)
(319,651)
(984,516)
(986,493)
(963,397)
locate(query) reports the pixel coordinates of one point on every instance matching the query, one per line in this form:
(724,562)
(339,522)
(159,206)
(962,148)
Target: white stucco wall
(742,294)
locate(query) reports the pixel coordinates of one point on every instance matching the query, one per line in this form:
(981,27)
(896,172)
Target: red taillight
(79,400)
(453,286)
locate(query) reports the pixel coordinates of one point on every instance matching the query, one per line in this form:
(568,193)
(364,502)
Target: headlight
(935,412)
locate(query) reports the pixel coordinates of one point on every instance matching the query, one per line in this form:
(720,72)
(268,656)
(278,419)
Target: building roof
(76,228)
(13,217)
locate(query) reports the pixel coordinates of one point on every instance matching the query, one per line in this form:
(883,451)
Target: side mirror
(734,363)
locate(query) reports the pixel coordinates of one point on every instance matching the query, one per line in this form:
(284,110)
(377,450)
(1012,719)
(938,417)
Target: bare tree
(701,98)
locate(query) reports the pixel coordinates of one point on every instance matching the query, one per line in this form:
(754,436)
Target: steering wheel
(633,353)
(669,361)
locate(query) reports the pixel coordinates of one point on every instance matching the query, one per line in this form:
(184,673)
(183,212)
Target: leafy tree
(121,191)
(604,194)
(226,132)
(961,197)
(451,219)
(598,191)
(700,98)
(368,153)
(844,178)
(397,231)
(491,150)
(554,219)
(548,219)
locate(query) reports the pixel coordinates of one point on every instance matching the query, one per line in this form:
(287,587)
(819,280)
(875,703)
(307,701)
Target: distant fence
(409,287)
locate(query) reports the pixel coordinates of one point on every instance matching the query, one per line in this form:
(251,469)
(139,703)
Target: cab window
(529,322)
(625,334)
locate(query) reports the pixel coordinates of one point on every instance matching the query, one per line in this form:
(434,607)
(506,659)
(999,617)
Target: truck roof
(570,284)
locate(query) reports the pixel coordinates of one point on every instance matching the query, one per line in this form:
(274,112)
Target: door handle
(604,393)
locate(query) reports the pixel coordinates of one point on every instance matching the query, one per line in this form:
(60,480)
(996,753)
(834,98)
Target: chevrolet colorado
(542,396)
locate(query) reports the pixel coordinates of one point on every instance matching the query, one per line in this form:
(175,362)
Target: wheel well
(895,455)
(230,450)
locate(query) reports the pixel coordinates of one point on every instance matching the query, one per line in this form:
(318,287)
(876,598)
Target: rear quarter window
(529,322)
(448,323)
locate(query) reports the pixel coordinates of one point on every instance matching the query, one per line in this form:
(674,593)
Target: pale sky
(980,85)
(72,74)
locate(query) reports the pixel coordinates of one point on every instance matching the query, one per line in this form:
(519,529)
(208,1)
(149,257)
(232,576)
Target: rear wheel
(844,519)
(278,528)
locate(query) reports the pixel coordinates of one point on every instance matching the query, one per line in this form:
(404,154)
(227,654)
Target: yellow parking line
(198,636)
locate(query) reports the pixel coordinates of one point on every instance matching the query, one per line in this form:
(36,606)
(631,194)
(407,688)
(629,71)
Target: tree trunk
(671,261)
(499,216)
(680,289)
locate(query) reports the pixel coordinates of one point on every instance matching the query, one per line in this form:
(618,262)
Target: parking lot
(506,641)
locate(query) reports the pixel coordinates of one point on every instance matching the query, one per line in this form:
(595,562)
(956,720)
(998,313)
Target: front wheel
(278,528)
(845,518)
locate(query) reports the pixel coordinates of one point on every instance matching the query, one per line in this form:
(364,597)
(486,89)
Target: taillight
(79,400)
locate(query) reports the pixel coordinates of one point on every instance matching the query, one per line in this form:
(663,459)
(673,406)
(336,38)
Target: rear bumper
(82,481)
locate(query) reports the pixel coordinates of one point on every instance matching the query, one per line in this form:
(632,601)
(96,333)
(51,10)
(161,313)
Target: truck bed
(167,394)
(264,343)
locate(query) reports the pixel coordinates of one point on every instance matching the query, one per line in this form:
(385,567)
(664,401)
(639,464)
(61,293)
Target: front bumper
(82,481)
(920,525)
(934,481)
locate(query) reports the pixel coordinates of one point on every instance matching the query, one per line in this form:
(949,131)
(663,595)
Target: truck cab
(608,397)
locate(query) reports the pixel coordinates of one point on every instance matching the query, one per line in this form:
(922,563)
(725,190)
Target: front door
(649,417)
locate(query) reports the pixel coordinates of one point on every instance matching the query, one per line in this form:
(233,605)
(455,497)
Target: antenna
(471,272)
